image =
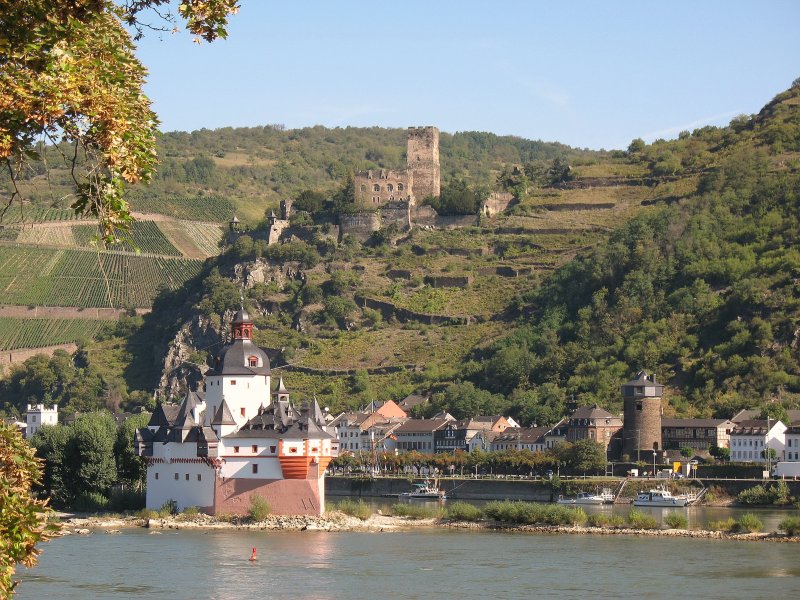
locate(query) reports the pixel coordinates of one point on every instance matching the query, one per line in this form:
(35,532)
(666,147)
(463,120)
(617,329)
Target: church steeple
(242,325)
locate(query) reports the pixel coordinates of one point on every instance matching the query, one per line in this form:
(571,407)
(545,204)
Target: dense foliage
(23,520)
(70,74)
(704,292)
(84,459)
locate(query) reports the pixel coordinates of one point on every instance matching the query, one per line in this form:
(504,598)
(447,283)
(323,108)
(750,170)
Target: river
(193,565)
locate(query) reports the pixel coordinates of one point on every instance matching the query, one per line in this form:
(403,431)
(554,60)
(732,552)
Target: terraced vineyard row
(35,276)
(37,333)
(145,235)
(205,236)
(216,210)
(17,214)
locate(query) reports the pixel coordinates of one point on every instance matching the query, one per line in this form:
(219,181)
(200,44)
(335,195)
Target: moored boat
(425,490)
(605,497)
(660,497)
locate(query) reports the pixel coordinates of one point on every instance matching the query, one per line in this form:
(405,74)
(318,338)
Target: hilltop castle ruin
(421,177)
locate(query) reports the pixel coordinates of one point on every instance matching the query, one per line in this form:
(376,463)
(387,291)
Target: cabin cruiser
(605,497)
(660,497)
(425,490)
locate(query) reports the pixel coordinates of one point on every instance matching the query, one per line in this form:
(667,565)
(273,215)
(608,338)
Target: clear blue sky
(589,74)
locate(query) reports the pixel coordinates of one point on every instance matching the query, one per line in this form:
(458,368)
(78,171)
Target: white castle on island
(237,439)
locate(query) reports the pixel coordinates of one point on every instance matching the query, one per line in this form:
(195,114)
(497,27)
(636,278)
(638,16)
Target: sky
(587,74)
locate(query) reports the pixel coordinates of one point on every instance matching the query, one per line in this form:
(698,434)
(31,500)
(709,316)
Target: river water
(193,565)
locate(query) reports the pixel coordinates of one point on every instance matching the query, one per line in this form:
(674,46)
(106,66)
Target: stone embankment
(336,521)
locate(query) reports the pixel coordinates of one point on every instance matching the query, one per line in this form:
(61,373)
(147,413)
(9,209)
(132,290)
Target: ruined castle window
(363,188)
(399,187)
(389,187)
(376,188)
(255,469)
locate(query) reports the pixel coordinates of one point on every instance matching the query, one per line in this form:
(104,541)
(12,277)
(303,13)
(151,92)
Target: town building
(792,448)
(596,424)
(458,435)
(750,438)
(418,435)
(39,415)
(521,438)
(697,434)
(236,440)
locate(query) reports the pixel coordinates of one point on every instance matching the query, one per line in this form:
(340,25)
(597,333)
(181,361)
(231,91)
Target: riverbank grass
(352,508)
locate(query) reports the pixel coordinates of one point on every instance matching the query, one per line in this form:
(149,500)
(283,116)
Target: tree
(70,78)
(720,452)
(24,521)
(130,466)
(89,454)
(587,455)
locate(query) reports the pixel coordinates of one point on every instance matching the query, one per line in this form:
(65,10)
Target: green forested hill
(679,256)
(706,291)
(256,167)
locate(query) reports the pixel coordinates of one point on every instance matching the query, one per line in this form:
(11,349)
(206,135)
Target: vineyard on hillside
(42,277)
(145,236)
(27,213)
(210,209)
(36,333)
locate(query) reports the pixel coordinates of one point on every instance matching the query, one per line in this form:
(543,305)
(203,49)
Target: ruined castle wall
(424,216)
(396,213)
(423,161)
(359,225)
(375,188)
(497,203)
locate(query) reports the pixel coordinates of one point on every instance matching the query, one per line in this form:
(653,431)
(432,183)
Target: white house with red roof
(236,440)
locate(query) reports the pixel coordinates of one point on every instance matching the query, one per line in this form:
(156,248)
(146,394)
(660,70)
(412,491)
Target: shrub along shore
(532,517)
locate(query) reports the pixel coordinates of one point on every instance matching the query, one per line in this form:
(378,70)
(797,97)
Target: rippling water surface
(195,565)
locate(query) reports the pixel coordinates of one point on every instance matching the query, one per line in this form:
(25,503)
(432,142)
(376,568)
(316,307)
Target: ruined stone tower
(641,431)
(423,161)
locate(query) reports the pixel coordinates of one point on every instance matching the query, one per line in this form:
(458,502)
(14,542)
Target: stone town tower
(423,161)
(641,432)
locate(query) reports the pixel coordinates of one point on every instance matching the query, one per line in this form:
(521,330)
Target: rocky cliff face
(186,357)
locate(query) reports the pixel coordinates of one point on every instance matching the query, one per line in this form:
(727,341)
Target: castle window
(376,188)
(399,187)
(272,449)
(233,382)
(363,188)
(253,361)
(255,469)
(236,449)
(254,448)
(389,187)
(176,477)
(241,411)
(293,450)
(156,475)
(187,477)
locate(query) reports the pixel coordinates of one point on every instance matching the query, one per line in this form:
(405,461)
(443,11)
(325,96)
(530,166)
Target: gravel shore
(336,521)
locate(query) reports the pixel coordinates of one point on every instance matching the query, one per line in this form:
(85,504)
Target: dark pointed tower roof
(223,415)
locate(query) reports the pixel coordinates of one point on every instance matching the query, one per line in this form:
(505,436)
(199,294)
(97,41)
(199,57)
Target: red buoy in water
(253,556)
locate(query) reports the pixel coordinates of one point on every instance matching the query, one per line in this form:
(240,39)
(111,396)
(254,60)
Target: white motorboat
(660,497)
(425,490)
(605,497)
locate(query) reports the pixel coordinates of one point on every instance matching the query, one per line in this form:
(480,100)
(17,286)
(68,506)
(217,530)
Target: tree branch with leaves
(69,76)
